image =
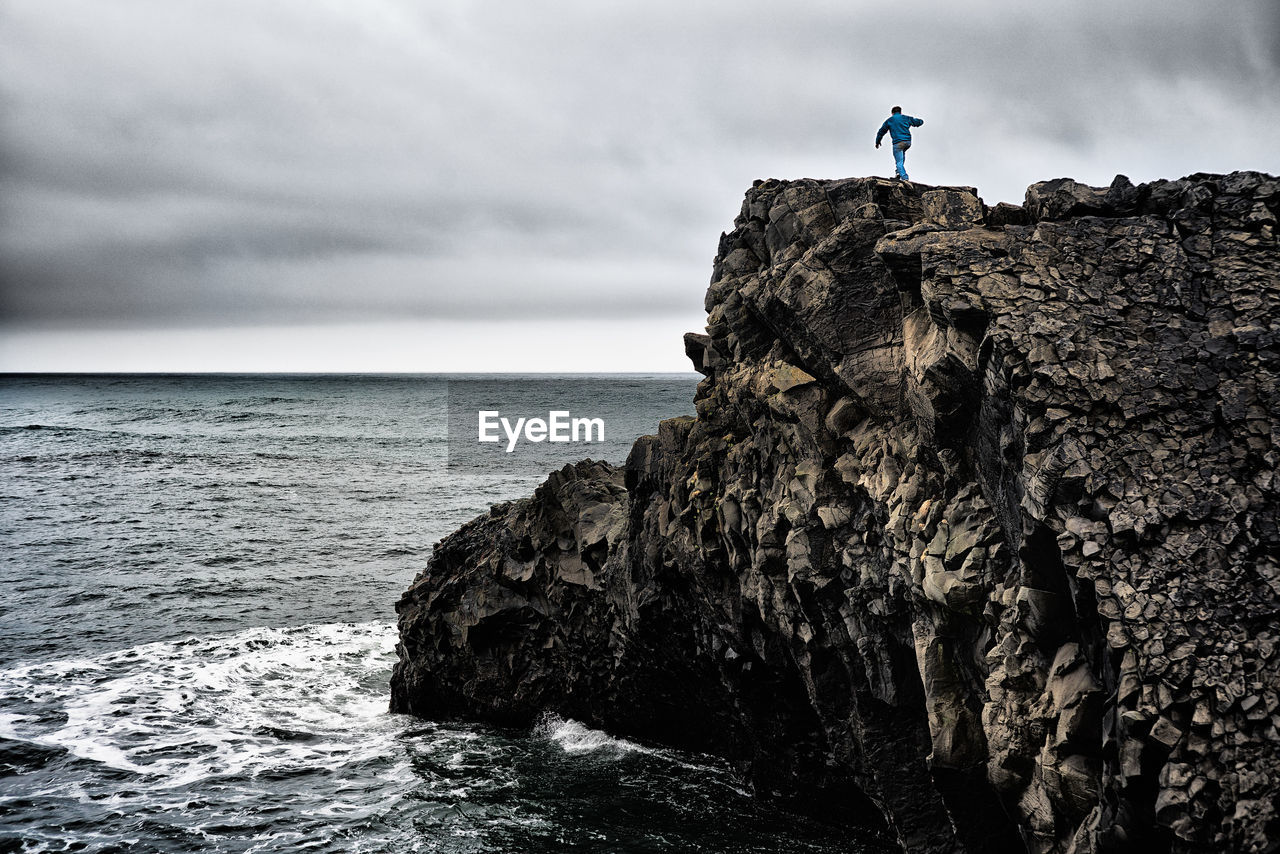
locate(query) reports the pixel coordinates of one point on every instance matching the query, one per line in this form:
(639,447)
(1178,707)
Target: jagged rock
(696,347)
(974,537)
(1006,214)
(951,209)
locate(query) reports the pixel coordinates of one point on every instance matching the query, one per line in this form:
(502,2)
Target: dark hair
(896,110)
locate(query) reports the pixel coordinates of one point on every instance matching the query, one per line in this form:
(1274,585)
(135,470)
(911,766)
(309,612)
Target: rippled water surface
(197,580)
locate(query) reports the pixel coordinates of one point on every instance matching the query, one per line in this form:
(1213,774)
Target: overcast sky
(447,185)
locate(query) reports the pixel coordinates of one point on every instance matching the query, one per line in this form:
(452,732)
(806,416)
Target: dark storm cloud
(232,161)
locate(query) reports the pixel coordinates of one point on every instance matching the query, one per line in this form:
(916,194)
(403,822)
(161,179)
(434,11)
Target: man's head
(896,110)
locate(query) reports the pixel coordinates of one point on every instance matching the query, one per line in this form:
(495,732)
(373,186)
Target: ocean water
(197,587)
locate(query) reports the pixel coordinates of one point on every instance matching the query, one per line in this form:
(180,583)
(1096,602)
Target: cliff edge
(974,536)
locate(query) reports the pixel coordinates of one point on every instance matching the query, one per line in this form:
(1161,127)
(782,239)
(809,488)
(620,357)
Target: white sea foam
(574,737)
(262,701)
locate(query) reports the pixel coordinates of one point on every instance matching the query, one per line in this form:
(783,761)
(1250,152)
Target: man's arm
(915,123)
(884,128)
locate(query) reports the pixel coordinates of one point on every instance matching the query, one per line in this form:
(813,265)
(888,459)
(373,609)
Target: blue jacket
(898,126)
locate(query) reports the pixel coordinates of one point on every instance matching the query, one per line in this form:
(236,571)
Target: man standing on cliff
(899,126)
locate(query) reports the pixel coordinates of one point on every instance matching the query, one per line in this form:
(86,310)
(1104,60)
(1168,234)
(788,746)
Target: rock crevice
(974,536)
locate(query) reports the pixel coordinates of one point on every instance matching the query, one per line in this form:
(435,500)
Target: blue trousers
(899,158)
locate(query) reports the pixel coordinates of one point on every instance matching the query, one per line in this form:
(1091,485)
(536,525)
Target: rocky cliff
(974,535)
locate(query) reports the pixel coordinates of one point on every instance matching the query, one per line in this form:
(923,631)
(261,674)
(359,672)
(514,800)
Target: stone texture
(975,535)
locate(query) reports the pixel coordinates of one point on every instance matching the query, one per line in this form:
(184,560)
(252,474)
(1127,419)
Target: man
(899,128)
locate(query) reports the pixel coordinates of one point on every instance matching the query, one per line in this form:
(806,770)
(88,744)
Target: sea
(197,585)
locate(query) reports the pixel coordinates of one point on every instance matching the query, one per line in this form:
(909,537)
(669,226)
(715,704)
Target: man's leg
(899,159)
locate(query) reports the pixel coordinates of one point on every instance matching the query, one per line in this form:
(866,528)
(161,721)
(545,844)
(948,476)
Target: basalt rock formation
(974,536)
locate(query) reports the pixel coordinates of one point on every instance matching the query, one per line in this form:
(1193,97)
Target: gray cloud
(226,161)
